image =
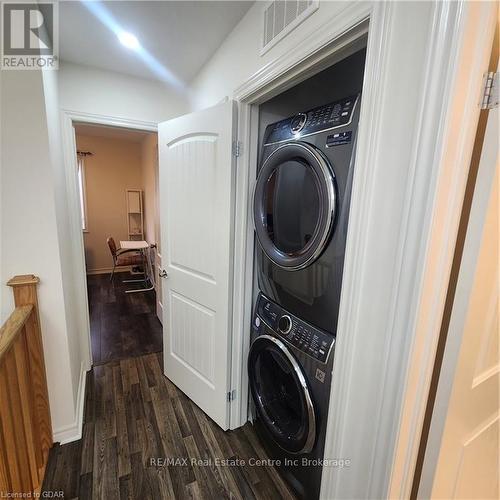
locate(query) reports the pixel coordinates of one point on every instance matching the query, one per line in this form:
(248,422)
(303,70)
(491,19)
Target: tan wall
(149,176)
(114,167)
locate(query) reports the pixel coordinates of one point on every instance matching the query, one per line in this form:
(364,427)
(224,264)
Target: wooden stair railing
(25,424)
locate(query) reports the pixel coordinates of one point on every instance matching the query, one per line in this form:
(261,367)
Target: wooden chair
(121,260)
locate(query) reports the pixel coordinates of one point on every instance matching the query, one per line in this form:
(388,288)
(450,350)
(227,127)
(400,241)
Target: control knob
(285,324)
(298,122)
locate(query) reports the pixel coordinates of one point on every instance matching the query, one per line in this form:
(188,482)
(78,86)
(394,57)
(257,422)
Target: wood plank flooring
(121,324)
(136,419)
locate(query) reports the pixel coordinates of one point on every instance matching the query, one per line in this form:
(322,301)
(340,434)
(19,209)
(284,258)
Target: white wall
(78,348)
(238,57)
(30,242)
(96,91)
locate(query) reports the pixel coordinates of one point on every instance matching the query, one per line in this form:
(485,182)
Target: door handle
(162,273)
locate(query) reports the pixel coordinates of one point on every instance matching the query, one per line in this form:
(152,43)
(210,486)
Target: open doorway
(117,170)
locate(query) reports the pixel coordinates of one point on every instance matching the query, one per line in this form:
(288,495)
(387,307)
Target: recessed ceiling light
(129,40)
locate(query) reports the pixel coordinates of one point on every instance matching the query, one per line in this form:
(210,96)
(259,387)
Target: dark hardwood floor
(122,325)
(135,419)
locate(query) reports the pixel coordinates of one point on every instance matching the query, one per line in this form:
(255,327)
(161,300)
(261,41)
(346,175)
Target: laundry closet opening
(117,172)
(305,164)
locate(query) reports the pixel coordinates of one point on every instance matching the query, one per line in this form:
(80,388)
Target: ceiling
(123,134)
(176,36)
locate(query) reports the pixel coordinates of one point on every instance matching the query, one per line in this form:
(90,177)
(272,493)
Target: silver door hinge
(237,148)
(490,91)
(231,395)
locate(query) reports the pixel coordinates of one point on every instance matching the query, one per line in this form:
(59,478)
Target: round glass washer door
(294,205)
(281,395)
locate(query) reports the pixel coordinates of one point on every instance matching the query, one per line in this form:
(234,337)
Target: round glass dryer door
(294,205)
(281,395)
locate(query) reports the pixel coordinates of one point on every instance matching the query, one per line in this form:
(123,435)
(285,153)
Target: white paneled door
(196,208)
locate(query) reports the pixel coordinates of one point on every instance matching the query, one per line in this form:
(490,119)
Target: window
(81,191)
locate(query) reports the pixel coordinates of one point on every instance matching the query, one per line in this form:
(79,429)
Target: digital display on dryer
(301,335)
(326,117)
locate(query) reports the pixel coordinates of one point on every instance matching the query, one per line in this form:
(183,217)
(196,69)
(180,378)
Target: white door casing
(157,250)
(68,117)
(462,456)
(158,289)
(468,462)
(196,210)
(473,34)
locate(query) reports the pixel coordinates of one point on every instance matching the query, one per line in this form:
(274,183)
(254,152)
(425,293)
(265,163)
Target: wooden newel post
(24,288)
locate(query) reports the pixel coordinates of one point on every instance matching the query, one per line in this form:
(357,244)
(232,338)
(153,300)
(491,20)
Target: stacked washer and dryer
(301,212)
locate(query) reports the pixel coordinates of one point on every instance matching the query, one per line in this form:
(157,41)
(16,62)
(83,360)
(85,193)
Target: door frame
(460,306)
(483,170)
(68,118)
(474,38)
(395,388)
(326,46)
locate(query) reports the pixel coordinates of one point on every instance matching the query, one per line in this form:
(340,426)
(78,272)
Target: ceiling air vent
(281,17)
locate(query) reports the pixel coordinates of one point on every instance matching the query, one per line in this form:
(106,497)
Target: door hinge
(231,395)
(237,148)
(490,91)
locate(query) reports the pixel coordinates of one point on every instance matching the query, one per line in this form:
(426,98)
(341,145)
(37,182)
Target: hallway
(122,325)
(134,415)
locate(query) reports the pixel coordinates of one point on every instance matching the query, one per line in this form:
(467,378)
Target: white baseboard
(107,270)
(73,431)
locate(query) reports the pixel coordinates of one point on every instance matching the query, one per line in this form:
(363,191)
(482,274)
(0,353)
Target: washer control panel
(326,117)
(305,337)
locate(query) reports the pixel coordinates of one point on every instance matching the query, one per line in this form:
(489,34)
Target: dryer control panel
(327,117)
(305,337)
